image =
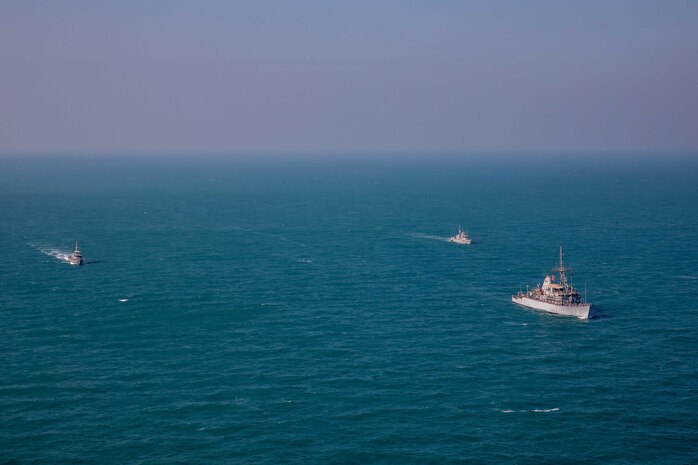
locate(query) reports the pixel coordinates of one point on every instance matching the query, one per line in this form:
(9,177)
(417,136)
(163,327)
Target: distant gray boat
(76,257)
(555,297)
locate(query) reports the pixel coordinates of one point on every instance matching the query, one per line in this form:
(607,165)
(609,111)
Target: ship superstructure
(76,257)
(555,297)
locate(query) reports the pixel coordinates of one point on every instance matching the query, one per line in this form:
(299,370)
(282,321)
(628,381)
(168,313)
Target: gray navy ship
(555,297)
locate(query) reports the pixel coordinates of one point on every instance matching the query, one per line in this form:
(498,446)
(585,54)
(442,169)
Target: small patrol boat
(76,257)
(555,297)
(460,238)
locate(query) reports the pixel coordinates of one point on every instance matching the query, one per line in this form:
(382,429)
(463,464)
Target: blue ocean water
(311,311)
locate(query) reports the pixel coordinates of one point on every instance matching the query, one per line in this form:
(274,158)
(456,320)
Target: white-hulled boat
(460,238)
(555,297)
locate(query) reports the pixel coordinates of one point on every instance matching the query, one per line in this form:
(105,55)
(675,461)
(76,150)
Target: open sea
(310,311)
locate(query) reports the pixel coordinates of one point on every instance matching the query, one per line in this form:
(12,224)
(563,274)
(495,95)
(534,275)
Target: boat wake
(272,235)
(59,254)
(430,237)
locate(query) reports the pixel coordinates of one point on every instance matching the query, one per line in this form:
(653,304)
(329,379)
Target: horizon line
(363,153)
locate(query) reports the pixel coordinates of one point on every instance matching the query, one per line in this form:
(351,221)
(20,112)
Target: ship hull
(459,241)
(581,311)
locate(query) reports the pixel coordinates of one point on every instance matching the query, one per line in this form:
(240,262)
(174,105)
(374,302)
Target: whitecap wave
(537,410)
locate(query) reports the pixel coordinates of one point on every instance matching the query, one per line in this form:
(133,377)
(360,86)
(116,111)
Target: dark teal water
(312,312)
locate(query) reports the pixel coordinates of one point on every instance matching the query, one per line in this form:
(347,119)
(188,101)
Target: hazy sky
(352,76)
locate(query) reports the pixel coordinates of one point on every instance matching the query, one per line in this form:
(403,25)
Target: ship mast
(563,271)
(560,256)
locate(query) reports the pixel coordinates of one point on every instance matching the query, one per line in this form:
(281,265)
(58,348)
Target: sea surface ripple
(313,312)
